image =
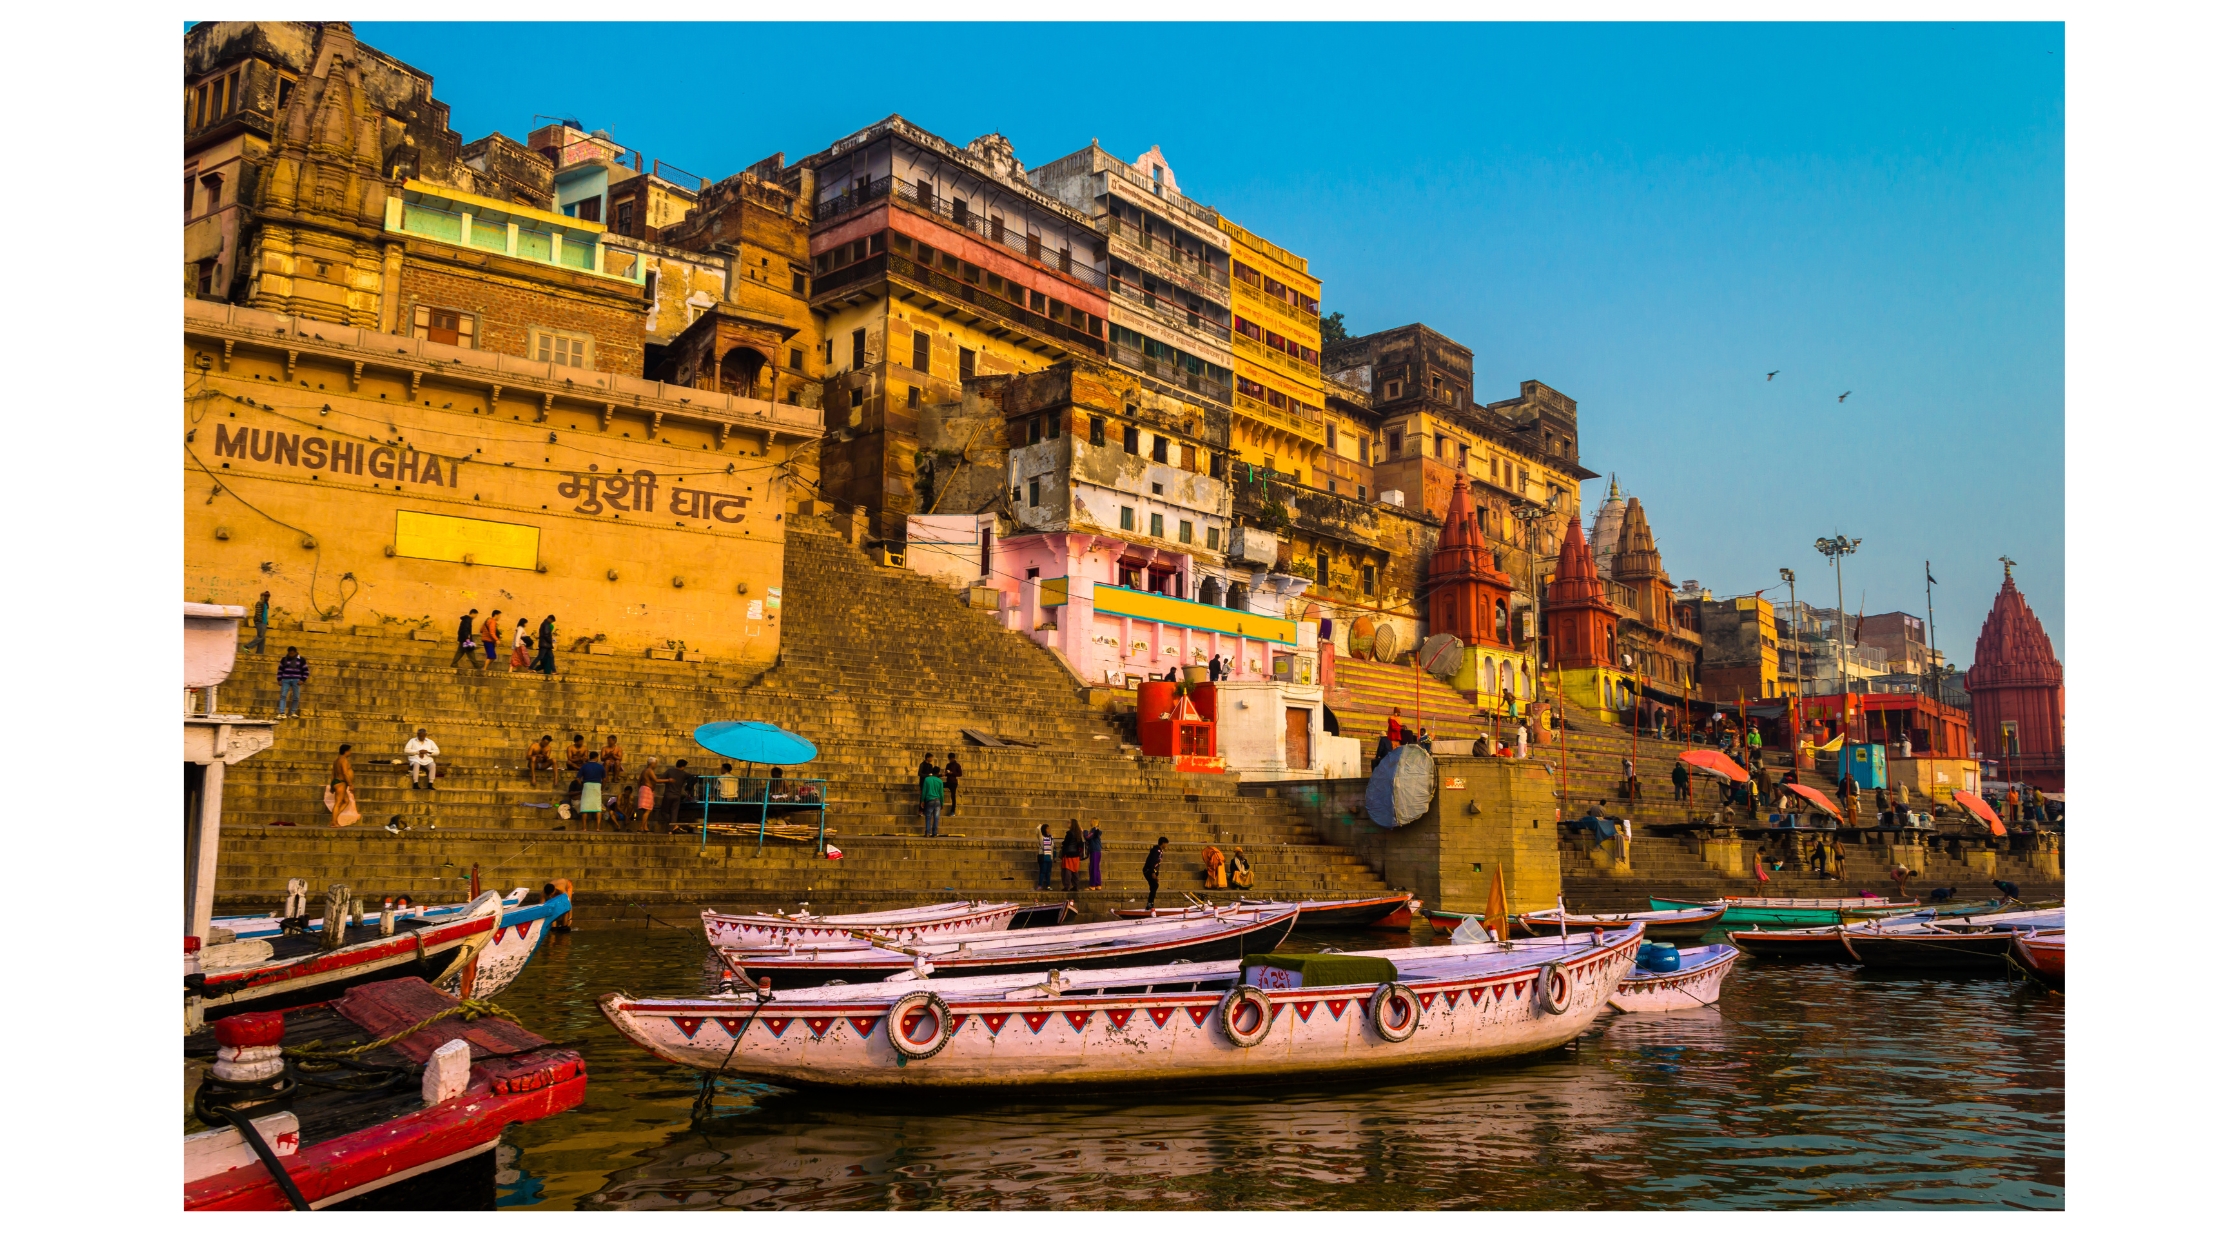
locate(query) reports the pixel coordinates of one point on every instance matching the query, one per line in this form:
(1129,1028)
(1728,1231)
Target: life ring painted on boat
(1393,994)
(1555,989)
(1263,1016)
(909,1012)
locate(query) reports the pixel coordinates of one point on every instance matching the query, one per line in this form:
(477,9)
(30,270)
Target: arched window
(1500,621)
(1610,643)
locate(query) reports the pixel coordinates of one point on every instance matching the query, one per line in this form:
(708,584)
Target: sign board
(466,540)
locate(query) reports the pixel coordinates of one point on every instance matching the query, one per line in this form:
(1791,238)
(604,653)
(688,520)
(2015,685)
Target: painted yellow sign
(1121,601)
(465,540)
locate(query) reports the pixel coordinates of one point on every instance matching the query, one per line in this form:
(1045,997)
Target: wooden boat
(1791,911)
(1695,984)
(248,927)
(1042,914)
(912,923)
(2044,955)
(1381,910)
(283,971)
(361,1131)
(1977,943)
(1663,925)
(1181,1025)
(1813,944)
(521,933)
(1211,933)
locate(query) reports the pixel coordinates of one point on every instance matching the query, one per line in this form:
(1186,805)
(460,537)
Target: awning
(1714,762)
(755,743)
(1974,805)
(1814,795)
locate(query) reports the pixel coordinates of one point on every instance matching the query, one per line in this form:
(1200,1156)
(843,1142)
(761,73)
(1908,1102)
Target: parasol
(755,743)
(1974,805)
(1715,762)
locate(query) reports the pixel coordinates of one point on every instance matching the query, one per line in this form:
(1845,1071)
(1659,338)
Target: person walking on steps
(489,638)
(467,642)
(294,672)
(1093,841)
(1151,872)
(951,775)
(1070,853)
(342,789)
(1820,859)
(1392,727)
(1680,781)
(1043,860)
(518,662)
(420,758)
(930,794)
(262,620)
(547,631)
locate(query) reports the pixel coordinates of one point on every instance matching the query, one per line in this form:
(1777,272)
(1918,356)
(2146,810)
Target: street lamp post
(1796,663)
(1835,549)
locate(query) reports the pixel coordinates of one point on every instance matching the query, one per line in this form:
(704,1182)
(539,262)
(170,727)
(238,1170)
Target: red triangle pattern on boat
(731,1025)
(521,930)
(1453,996)
(1476,995)
(1120,1018)
(688,1025)
(1159,1015)
(1079,1019)
(1035,1019)
(817,1025)
(995,1023)
(956,1022)
(1198,1014)
(863,1024)
(1338,1008)
(778,1027)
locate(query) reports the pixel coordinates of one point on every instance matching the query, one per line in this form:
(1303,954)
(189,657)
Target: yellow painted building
(377,484)
(1280,419)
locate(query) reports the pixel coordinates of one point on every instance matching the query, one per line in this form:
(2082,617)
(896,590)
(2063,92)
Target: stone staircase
(879,666)
(1368,691)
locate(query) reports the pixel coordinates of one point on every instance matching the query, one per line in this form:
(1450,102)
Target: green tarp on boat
(1318,971)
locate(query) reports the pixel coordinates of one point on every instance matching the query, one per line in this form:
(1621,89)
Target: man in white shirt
(420,755)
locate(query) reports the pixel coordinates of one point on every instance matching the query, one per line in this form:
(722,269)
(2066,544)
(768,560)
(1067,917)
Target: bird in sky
(1845,394)
(1773,373)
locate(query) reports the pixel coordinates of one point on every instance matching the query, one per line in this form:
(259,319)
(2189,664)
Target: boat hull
(1686,927)
(1047,914)
(768,931)
(1382,911)
(1926,951)
(520,935)
(1792,945)
(1695,984)
(1804,913)
(432,953)
(1136,1041)
(2045,957)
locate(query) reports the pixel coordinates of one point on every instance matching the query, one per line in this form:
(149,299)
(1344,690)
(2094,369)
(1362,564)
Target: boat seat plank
(394,1005)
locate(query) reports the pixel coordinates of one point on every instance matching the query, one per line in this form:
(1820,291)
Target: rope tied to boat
(310,1052)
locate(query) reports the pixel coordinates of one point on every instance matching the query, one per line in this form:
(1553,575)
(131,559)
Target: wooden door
(1298,750)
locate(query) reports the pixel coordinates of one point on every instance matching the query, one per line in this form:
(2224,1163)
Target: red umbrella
(1814,795)
(1974,805)
(1715,762)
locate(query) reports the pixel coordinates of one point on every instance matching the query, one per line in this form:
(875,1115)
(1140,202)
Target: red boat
(376,1130)
(2044,955)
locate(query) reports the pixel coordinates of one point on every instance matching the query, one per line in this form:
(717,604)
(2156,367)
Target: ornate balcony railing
(1305,426)
(1212,325)
(1138,361)
(1031,248)
(884,264)
(1277,359)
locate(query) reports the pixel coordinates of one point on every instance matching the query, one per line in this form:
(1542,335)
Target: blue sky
(1647,217)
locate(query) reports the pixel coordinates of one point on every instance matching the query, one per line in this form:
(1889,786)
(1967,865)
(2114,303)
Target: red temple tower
(2020,710)
(1582,623)
(1469,594)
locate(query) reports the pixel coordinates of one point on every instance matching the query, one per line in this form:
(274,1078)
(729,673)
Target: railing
(926,277)
(510,238)
(893,190)
(1276,358)
(1255,296)
(1137,360)
(1164,251)
(1165,194)
(677,175)
(1213,324)
(1253,407)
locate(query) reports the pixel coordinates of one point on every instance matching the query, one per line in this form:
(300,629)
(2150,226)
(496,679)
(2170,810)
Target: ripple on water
(1805,1087)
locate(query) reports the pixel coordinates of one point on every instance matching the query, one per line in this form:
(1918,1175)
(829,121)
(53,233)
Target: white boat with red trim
(1663,925)
(1702,970)
(1180,1025)
(910,923)
(272,973)
(1207,934)
(1381,910)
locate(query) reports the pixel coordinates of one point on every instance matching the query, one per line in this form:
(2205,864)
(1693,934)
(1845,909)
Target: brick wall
(505,306)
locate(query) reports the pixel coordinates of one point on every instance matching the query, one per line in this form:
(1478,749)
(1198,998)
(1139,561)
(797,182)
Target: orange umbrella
(1974,805)
(1716,762)
(1814,795)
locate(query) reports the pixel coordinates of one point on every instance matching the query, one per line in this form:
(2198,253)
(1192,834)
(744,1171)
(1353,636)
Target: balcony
(884,266)
(1306,374)
(494,227)
(1209,326)
(1303,324)
(1137,361)
(1305,426)
(1207,278)
(896,192)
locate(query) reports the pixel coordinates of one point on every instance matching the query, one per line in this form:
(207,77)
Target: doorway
(1298,748)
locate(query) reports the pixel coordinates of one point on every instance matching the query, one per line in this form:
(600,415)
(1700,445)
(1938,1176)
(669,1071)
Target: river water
(1807,1086)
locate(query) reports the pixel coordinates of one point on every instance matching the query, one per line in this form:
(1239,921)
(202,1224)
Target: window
(1330,436)
(1392,389)
(1364,450)
(450,328)
(190,196)
(213,189)
(913,403)
(206,277)
(1481,520)
(921,352)
(995,227)
(1368,579)
(1321,569)
(800,282)
(626,217)
(793,398)
(1189,458)
(1158,525)
(1213,538)
(566,349)
(1034,492)
(793,359)
(1182,531)
(286,93)
(1158,450)
(856,342)
(1361,493)
(968,364)
(855,396)
(925,192)
(588,208)
(1333,485)
(1439,447)
(959,211)
(1131,438)
(1462,455)
(828,352)
(1096,430)
(1127,521)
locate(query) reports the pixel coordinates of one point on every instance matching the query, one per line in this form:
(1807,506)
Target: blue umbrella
(754,742)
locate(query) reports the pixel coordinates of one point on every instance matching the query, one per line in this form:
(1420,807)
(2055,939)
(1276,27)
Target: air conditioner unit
(894,560)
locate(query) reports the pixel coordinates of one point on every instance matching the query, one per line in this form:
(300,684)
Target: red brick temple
(2020,710)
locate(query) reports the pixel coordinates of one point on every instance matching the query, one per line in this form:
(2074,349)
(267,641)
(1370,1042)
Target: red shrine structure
(1581,640)
(1470,599)
(2020,710)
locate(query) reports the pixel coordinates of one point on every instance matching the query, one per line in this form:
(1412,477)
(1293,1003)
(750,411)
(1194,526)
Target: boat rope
(704,1105)
(310,1052)
(651,917)
(231,1114)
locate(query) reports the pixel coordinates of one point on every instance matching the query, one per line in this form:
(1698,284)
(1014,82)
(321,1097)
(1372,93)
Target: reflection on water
(1807,1086)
